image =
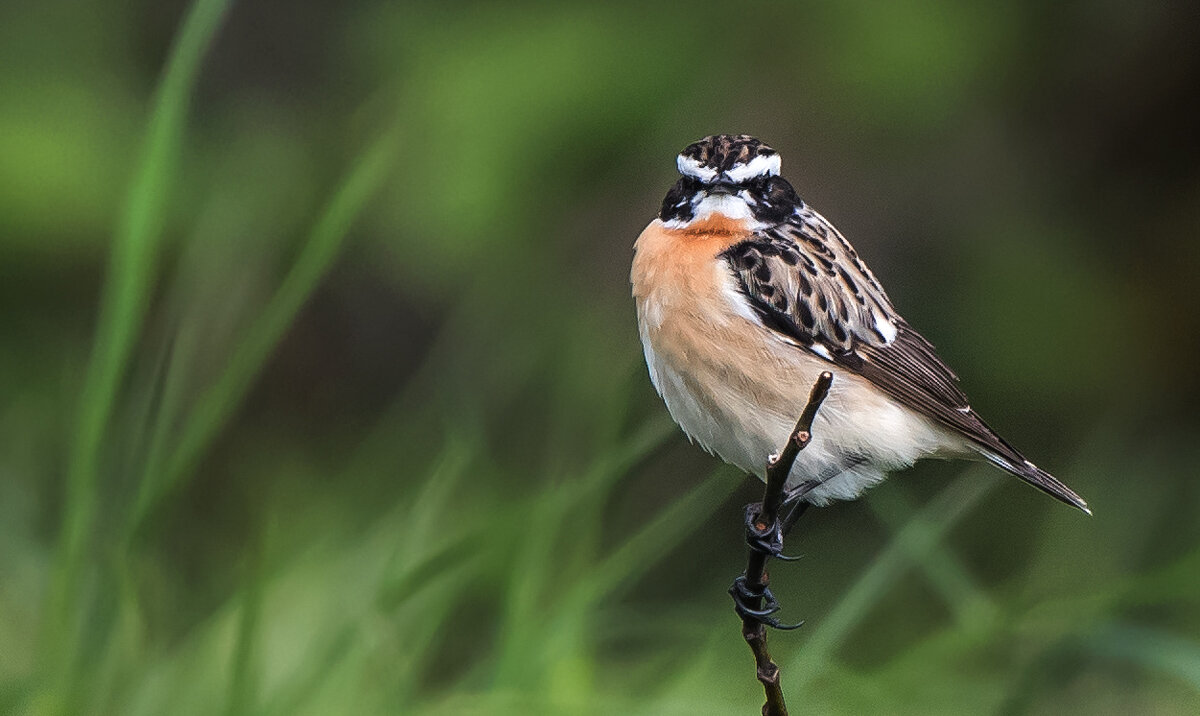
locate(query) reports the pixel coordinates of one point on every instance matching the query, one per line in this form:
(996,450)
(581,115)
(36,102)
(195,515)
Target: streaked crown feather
(730,158)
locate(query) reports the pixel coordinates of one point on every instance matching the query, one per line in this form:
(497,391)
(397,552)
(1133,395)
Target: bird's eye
(780,191)
(758,184)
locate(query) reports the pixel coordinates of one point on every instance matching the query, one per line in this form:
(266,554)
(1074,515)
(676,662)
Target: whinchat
(745,295)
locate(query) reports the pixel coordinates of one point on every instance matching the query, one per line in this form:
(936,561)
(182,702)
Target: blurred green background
(321,393)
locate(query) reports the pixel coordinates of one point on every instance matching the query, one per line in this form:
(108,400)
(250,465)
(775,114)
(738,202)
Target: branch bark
(763,527)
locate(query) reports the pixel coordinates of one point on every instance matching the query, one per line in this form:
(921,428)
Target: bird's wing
(803,280)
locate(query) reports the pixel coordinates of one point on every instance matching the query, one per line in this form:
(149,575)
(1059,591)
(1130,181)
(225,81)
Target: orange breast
(686,316)
(674,265)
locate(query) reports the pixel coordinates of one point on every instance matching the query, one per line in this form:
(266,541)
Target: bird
(745,295)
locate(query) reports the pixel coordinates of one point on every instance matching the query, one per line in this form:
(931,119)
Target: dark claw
(757,614)
(776,624)
(769,542)
(743,595)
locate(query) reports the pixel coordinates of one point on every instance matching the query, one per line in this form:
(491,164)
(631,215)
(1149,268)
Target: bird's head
(734,175)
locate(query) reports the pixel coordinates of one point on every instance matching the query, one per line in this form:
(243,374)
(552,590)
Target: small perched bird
(745,295)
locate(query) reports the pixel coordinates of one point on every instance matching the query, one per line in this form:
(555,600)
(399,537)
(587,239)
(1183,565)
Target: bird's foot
(756,603)
(763,538)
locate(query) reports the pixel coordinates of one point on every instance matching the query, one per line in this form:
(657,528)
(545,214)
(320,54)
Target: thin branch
(765,535)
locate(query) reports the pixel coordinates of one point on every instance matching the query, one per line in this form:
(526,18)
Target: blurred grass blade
(639,554)
(219,402)
(171,401)
(919,535)
(550,521)
(941,567)
(244,672)
(131,274)
(1155,650)
(552,630)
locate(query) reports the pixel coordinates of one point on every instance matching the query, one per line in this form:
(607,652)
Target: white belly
(859,435)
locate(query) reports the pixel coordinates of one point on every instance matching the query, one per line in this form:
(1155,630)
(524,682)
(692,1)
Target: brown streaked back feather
(805,281)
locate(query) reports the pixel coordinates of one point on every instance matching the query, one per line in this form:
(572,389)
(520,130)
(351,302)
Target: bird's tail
(1036,476)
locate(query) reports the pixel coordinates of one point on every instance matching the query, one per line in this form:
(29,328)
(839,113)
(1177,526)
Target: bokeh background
(321,393)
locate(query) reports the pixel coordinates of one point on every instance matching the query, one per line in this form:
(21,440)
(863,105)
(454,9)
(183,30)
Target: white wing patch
(886,329)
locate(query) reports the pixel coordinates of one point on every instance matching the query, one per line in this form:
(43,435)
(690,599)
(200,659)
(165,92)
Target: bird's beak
(722,187)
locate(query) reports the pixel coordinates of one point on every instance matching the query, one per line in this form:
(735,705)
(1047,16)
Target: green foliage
(321,390)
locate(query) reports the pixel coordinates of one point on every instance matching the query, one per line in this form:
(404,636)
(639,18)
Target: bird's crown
(727,158)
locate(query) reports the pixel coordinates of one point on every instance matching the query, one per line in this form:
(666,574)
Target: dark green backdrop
(321,393)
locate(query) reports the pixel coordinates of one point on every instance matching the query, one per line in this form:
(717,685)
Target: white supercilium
(692,168)
(762,164)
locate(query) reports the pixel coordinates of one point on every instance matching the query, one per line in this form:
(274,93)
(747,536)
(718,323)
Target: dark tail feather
(1039,478)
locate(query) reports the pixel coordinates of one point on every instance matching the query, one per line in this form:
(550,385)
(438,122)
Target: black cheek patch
(678,202)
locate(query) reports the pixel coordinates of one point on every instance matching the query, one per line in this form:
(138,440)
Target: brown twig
(765,526)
